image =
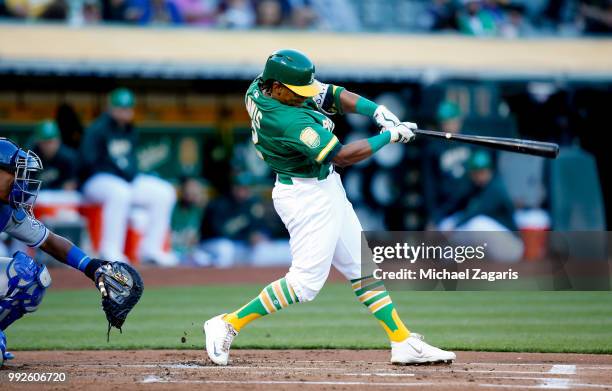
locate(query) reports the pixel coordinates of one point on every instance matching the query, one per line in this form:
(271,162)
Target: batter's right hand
(402,133)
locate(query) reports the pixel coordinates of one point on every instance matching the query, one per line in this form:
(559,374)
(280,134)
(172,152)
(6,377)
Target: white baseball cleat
(219,337)
(414,350)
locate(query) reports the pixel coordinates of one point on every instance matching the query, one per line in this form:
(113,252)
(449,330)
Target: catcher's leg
(4,355)
(22,288)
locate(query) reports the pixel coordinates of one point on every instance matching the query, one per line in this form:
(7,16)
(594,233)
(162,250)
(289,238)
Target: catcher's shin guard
(121,287)
(25,286)
(2,347)
(4,355)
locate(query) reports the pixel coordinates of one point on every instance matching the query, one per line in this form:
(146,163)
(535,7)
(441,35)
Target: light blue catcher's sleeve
(26,228)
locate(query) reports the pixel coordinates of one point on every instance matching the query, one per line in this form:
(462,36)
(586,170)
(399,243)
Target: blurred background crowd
(504,18)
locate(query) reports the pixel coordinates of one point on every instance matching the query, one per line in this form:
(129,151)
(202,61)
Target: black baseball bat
(528,147)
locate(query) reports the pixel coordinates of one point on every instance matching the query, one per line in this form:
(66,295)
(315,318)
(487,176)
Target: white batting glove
(384,118)
(402,133)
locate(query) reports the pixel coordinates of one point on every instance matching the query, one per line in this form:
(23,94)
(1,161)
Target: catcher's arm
(60,248)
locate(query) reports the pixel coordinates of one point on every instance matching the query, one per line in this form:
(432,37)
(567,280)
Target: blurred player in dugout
(444,166)
(463,192)
(57,158)
(237,228)
(108,152)
(485,208)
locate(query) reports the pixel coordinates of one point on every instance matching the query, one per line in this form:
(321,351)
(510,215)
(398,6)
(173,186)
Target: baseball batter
(293,133)
(24,281)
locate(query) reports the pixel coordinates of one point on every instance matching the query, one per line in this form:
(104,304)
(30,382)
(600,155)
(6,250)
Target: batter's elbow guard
(26,284)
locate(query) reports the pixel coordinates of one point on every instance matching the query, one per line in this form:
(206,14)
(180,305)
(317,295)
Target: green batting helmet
(294,70)
(122,97)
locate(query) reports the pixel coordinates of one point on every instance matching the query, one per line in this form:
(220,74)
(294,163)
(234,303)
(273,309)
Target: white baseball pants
(324,231)
(117,196)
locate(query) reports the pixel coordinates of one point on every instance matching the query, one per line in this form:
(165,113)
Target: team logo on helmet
(310,137)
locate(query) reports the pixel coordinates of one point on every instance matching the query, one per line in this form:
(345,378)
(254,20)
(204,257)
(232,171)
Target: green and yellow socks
(371,292)
(279,294)
(272,298)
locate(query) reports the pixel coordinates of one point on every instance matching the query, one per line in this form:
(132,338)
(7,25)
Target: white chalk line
(232,368)
(456,365)
(549,382)
(213,367)
(155,379)
(522,387)
(504,371)
(594,368)
(558,383)
(573,385)
(546,383)
(339,371)
(588,385)
(544,364)
(563,370)
(552,385)
(364,374)
(555,383)
(380,374)
(542,379)
(256,369)
(531,364)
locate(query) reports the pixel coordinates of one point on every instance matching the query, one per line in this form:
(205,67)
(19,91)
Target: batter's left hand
(402,133)
(384,118)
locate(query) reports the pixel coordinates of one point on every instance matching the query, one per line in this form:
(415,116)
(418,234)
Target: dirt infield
(307,369)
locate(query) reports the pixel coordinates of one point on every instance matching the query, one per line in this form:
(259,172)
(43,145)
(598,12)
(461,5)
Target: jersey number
(255,115)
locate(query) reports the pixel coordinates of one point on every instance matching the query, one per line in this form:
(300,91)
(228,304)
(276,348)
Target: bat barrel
(529,147)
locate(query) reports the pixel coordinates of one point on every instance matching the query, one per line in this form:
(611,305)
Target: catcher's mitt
(121,288)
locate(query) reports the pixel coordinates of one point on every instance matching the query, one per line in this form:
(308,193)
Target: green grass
(496,321)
